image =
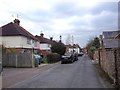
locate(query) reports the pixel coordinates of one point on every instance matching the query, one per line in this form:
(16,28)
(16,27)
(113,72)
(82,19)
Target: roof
(112,43)
(12,29)
(110,34)
(45,40)
(73,46)
(117,36)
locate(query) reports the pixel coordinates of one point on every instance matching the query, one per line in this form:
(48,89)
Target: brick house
(19,46)
(75,47)
(45,44)
(15,36)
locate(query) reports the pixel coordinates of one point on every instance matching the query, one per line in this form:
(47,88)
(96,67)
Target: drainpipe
(116,71)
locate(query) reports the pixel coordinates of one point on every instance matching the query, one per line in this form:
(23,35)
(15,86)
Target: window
(35,44)
(28,41)
(49,45)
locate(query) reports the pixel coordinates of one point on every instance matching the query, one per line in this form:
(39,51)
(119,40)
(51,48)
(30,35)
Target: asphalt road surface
(80,74)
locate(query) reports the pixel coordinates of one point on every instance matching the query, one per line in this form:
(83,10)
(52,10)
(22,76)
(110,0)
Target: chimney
(51,38)
(17,21)
(41,34)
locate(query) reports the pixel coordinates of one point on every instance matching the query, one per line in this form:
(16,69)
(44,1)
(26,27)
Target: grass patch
(45,61)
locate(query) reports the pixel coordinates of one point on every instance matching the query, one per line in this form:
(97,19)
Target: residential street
(59,44)
(80,74)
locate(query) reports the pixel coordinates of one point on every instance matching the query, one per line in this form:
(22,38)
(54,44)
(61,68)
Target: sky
(77,21)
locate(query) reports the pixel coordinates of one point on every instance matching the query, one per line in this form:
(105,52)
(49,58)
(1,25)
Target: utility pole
(73,42)
(68,40)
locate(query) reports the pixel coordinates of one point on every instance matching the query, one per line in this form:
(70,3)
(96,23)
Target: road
(12,76)
(80,74)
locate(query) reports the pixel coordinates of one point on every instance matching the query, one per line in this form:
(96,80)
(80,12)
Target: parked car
(67,58)
(38,57)
(80,54)
(75,56)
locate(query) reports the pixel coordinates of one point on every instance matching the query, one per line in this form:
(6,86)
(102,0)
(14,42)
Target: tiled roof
(73,46)
(12,29)
(112,43)
(117,36)
(45,40)
(110,34)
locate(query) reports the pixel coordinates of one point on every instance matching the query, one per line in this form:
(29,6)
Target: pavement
(12,76)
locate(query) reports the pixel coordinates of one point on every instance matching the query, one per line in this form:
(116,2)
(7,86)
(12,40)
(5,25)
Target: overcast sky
(82,19)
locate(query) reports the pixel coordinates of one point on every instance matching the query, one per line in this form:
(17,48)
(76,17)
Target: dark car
(67,58)
(80,54)
(75,56)
(38,58)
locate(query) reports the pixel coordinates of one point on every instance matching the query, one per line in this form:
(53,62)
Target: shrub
(53,57)
(45,61)
(59,48)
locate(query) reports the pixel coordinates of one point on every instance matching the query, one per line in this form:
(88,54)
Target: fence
(24,59)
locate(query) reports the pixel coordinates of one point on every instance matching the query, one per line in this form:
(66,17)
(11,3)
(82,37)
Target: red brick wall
(43,52)
(103,59)
(118,63)
(107,61)
(110,63)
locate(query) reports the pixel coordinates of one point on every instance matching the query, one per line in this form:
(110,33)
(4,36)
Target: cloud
(81,18)
(105,6)
(69,9)
(106,21)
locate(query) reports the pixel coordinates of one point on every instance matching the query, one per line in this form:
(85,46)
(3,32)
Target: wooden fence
(24,59)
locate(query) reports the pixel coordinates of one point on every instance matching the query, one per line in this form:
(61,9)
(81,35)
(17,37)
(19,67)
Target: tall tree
(93,45)
(96,43)
(59,48)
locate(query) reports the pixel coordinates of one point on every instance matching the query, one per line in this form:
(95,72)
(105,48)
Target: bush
(45,61)
(92,46)
(53,57)
(59,48)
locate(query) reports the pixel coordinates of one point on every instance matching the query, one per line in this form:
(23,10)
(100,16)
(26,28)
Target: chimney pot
(51,38)
(17,21)
(41,34)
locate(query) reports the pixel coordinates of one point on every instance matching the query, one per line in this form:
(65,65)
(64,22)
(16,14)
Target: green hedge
(53,57)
